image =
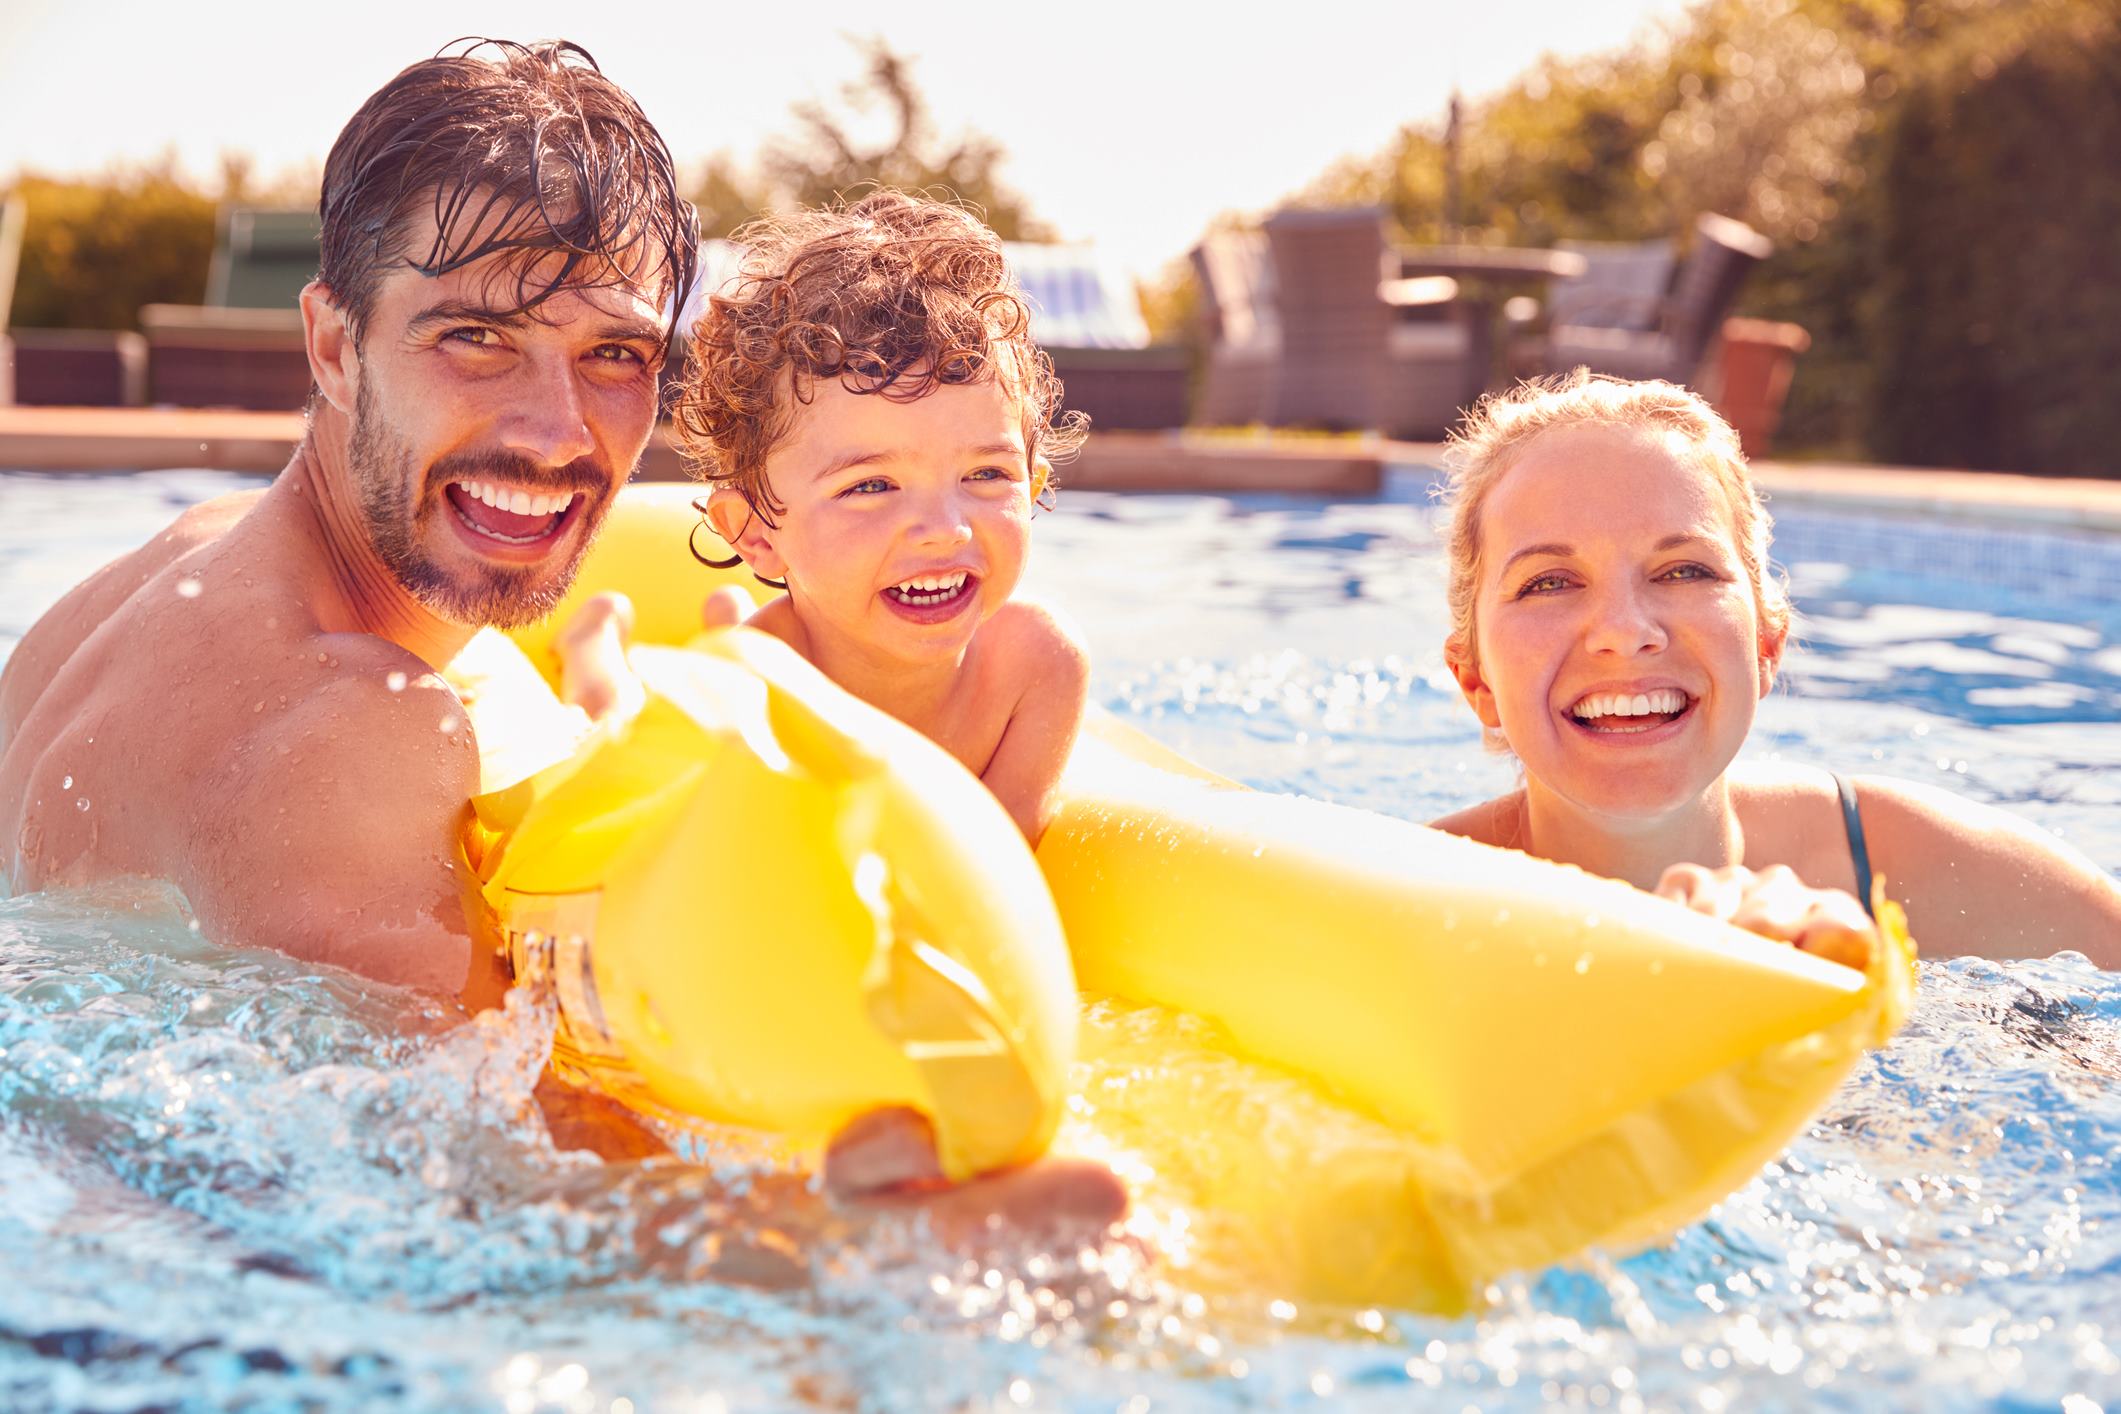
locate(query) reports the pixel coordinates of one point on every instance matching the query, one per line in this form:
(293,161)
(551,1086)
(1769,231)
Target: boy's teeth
(931,583)
(1622,704)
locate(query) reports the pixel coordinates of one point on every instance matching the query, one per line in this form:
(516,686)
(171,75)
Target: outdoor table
(1480,264)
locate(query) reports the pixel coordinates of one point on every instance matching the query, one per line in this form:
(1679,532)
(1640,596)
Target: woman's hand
(1776,904)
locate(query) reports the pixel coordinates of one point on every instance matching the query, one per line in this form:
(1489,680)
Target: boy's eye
(991,473)
(870,487)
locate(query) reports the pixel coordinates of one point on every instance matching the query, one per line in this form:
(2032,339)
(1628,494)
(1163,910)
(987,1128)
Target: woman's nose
(1624,622)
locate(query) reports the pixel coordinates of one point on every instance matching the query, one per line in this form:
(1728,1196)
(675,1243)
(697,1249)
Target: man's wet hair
(894,295)
(525,151)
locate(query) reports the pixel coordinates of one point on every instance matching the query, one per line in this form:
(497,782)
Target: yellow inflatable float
(1339,1057)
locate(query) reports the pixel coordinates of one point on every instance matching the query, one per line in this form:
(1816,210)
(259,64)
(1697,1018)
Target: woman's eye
(1543,584)
(1687,572)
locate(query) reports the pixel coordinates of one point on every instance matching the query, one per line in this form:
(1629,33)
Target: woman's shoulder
(1497,822)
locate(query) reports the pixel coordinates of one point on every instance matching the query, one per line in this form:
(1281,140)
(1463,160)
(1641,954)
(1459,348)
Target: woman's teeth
(928,588)
(1664,701)
(518,502)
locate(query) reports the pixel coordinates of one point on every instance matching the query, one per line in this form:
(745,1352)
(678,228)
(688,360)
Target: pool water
(229,1181)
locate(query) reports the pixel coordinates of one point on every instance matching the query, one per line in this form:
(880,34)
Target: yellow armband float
(1337,1056)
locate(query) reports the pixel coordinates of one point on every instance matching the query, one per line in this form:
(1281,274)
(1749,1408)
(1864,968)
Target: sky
(1130,124)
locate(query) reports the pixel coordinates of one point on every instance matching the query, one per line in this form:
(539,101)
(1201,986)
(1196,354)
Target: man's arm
(329,829)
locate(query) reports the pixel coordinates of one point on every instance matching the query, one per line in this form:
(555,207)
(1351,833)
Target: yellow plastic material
(765,903)
(1338,1057)
(1421,1063)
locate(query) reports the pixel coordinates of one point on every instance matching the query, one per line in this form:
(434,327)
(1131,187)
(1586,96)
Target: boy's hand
(885,1159)
(1776,904)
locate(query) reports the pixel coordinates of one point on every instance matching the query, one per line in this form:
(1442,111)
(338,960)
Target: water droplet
(81,803)
(395,681)
(67,784)
(188,588)
(447,724)
(258,706)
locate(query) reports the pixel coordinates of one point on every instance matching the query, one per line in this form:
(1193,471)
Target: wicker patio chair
(1360,347)
(1675,344)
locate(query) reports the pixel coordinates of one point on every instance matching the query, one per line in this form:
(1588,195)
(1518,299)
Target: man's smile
(511,515)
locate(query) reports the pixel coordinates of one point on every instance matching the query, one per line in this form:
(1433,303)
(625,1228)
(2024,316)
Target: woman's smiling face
(1618,644)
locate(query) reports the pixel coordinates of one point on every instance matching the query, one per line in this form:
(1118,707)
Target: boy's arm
(1051,673)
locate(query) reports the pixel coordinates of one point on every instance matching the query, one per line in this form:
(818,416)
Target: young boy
(877,424)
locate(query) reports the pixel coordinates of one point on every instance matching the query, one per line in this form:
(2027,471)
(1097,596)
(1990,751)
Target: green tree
(825,158)
(95,249)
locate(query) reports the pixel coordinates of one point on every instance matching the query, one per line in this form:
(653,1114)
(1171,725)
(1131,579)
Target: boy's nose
(547,422)
(942,521)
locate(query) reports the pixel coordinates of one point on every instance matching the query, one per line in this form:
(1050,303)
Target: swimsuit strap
(1859,852)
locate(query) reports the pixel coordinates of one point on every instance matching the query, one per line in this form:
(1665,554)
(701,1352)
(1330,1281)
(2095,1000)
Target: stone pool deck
(145,439)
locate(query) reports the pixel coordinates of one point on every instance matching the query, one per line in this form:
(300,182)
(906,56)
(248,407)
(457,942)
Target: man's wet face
(486,445)
(401,501)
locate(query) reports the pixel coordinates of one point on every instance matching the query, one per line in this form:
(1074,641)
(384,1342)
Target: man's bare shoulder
(52,640)
(343,806)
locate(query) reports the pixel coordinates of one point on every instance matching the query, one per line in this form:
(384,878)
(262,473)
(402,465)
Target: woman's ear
(746,532)
(334,359)
(1465,666)
(1773,639)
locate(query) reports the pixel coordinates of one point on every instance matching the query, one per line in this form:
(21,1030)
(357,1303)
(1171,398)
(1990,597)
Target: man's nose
(548,422)
(1624,622)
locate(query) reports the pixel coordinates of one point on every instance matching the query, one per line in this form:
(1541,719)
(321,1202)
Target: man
(249,706)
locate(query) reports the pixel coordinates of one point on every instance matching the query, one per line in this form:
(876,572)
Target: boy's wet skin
(248,706)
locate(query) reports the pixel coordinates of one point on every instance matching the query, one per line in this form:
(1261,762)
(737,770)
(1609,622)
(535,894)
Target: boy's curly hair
(893,294)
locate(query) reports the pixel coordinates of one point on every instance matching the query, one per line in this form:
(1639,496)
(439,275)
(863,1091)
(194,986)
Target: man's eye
(618,353)
(476,335)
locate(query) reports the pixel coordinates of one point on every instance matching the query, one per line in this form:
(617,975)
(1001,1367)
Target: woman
(1614,624)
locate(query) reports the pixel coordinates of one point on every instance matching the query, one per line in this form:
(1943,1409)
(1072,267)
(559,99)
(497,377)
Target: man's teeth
(1621,704)
(929,588)
(517,502)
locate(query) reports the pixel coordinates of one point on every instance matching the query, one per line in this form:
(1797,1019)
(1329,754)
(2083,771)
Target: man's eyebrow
(634,329)
(460,311)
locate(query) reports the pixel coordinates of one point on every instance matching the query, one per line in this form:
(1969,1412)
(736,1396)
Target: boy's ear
(746,532)
(334,360)
(1042,488)
(1466,668)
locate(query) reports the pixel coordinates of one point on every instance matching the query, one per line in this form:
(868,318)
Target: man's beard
(395,505)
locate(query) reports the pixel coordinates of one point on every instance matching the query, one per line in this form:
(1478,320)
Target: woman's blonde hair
(1497,432)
